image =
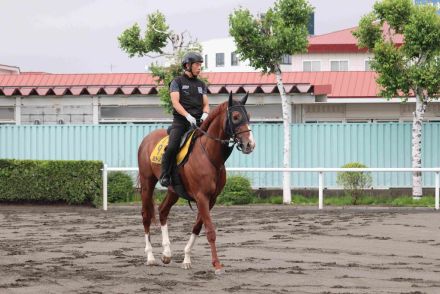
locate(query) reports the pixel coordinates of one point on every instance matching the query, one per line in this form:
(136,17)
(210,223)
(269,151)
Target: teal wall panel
(313,145)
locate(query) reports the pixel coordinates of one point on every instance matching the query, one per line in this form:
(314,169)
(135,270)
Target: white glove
(191,119)
(204,116)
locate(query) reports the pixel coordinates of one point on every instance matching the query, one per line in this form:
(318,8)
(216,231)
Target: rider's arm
(175,100)
(205,99)
(205,104)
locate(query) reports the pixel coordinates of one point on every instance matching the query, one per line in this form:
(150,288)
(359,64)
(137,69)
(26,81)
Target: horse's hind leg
(164,209)
(147,188)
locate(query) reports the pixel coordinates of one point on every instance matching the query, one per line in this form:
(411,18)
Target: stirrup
(165,181)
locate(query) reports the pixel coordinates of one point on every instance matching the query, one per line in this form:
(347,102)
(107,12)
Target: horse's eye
(236,117)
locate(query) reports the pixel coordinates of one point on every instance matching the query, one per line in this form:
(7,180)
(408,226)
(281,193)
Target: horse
(203,175)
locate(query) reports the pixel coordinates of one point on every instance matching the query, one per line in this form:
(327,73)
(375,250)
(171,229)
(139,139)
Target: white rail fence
(318,170)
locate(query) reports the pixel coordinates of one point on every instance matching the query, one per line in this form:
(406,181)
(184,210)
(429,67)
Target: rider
(190,103)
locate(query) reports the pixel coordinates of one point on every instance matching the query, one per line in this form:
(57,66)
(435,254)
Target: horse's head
(237,124)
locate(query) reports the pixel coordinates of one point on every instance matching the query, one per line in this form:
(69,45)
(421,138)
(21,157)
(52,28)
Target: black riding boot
(165,175)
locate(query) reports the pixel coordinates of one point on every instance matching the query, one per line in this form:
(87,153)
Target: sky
(63,36)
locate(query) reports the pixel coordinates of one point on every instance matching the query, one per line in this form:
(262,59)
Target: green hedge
(120,187)
(51,181)
(237,191)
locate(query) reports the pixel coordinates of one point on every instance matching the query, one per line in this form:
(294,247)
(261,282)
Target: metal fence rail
(318,170)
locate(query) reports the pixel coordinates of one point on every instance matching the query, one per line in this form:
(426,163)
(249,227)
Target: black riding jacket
(191,92)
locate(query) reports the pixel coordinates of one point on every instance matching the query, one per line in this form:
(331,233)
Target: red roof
(334,84)
(342,41)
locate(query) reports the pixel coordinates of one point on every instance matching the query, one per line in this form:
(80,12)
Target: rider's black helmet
(191,57)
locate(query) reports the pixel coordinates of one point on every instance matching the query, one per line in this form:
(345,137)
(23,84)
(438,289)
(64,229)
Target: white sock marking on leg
(165,241)
(148,248)
(188,248)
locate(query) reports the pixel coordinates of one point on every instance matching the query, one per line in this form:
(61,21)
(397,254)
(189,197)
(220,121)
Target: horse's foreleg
(203,206)
(164,210)
(189,246)
(149,251)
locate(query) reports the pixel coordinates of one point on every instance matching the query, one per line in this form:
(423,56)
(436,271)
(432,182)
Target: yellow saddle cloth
(159,150)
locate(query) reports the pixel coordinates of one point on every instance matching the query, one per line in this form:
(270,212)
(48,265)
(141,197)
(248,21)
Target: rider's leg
(169,157)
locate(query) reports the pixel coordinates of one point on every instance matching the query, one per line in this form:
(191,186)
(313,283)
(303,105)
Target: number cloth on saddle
(159,149)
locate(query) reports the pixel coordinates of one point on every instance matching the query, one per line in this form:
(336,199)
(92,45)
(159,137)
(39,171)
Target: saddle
(186,144)
(182,155)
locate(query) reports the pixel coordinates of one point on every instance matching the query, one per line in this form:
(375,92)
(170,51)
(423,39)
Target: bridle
(231,127)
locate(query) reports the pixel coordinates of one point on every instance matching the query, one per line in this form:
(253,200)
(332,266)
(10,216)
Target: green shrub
(237,191)
(120,187)
(354,182)
(51,181)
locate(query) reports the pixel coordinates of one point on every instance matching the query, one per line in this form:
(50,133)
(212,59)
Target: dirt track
(265,249)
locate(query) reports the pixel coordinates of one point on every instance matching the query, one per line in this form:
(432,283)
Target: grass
(403,201)
(426,201)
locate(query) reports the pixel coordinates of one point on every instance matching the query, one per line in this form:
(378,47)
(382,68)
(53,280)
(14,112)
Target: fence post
(437,188)
(321,190)
(104,187)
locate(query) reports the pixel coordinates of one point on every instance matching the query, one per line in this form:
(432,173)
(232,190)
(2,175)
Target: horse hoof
(166,259)
(219,271)
(186,265)
(151,262)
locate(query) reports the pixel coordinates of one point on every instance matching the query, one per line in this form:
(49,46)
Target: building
(7,69)
(331,83)
(325,96)
(335,51)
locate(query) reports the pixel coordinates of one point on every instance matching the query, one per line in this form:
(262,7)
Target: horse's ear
(230,99)
(244,99)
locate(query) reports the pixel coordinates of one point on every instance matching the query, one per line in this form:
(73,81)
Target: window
(339,65)
(206,60)
(386,121)
(7,114)
(310,65)
(355,121)
(286,59)
(367,65)
(234,59)
(219,59)
(132,113)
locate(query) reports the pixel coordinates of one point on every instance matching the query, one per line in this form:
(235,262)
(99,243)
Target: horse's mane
(221,108)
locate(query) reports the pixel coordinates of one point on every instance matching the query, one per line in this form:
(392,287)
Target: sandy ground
(265,249)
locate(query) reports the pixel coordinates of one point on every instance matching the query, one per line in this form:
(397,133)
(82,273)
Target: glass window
(206,61)
(286,59)
(234,59)
(219,59)
(7,114)
(312,65)
(339,65)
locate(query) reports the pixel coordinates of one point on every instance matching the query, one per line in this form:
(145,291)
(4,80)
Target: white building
(336,51)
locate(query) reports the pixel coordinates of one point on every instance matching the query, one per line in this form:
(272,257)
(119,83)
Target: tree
(156,38)
(410,69)
(263,40)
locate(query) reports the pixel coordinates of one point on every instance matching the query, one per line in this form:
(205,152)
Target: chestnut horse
(203,175)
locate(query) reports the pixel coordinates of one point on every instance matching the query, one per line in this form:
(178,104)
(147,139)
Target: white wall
(356,61)
(226,46)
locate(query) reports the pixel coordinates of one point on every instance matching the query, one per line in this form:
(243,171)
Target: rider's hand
(204,116)
(191,119)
